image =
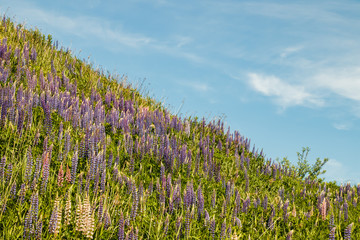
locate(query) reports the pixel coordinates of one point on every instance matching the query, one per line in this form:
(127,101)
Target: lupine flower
(289,235)
(223,229)
(9,172)
(212,228)
(345,211)
(213,199)
(270,222)
(53,225)
(27,226)
(188,196)
(13,191)
(107,219)
(39,226)
(68,174)
(285,207)
(60,176)
(103,178)
(246,204)
(332,233)
(207,218)
(323,208)
(131,165)
(347,233)
(2,168)
(238,222)
(46,169)
(187,222)
(178,227)
(246,180)
(22,193)
(134,203)
(121,232)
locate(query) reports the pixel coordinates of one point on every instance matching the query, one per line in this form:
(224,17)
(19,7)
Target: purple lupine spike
(178,227)
(13,191)
(189,164)
(39,226)
(223,229)
(27,226)
(121,232)
(345,208)
(200,202)
(22,193)
(207,218)
(2,168)
(347,232)
(212,228)
(33,55)
(238,222)
(246,180)
(9,172)
(332,233)
(168,185)
(289,235)
(189,196)
(246,204)
(219,145)
(187,222)
(265,202)
(53,220)
(107,219)
(131,165)
(103,178)
(135,200)
(285,207)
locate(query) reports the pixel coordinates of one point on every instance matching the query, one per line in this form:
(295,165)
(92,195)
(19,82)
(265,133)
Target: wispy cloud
(290,50)
(197,86)
(340,172)
(87,27)
(342,126)
(112,34)
(344,82)
(284,93)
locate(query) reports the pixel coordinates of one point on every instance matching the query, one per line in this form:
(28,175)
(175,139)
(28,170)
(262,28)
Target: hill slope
(84,155)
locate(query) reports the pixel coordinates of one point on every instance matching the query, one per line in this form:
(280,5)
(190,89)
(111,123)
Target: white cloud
(284,93)
(183,40)
(197,86)
(342,126)
(290,50)
(335,170)
(341,81)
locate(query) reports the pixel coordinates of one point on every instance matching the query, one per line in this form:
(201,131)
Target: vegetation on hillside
(84,155)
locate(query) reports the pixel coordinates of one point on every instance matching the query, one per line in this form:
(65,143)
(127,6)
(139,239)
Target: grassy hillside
(84,155)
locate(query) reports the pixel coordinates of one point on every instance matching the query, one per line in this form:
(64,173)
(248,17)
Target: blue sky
(285,74)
